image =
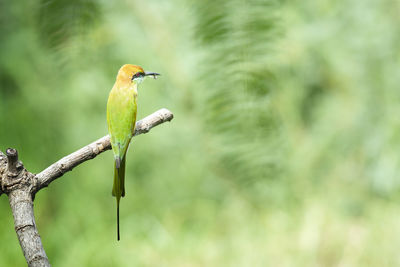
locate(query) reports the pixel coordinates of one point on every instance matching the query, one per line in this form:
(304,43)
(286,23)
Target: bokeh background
(284,149)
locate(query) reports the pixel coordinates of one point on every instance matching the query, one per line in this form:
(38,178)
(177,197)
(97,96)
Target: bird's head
(129,73)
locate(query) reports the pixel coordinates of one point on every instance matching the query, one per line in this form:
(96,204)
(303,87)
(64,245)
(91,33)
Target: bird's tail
(119,185)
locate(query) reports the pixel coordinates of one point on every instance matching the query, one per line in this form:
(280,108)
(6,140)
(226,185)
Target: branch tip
(12,152)
(13,164)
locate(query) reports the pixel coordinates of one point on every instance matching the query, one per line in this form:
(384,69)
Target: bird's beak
(149,73)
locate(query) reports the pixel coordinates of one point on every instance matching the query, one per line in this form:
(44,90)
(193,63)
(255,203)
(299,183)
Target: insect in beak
(154,74)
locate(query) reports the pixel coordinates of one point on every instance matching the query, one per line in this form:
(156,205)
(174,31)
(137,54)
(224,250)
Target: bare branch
(20,185)
(21,204)
(17,183)
(90,151)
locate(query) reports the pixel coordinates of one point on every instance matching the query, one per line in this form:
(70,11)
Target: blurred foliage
(283,150)
(59,21)
(234,88)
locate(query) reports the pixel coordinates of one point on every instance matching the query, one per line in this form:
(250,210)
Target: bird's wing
(121,119)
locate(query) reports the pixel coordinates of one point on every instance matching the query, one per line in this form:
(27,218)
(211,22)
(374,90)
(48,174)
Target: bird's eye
(137,75)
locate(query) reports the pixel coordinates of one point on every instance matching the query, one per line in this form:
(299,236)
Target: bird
(121,121)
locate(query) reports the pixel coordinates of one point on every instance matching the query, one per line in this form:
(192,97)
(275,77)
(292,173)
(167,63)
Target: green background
(284,149)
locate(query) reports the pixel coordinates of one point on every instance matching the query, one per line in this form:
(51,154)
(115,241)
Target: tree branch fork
(20,185)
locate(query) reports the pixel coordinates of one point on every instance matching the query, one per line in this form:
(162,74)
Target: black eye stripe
(137,75)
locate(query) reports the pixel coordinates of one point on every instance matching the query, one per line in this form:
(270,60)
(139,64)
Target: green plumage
(121,119)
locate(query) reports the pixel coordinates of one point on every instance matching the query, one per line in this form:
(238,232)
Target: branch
(12,159)
(3,167)
(21,185)
(21,204)
(17,181)
(90,151)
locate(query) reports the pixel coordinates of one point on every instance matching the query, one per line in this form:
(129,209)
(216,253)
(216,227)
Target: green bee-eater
(121,120)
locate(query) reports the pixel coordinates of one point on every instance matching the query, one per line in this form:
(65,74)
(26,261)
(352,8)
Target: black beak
(154,74)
